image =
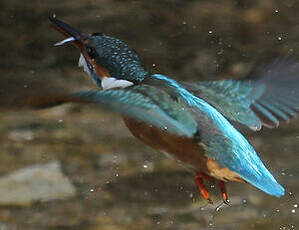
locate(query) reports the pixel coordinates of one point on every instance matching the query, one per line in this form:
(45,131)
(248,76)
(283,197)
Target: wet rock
(21,135)
(6,226)
(35,183)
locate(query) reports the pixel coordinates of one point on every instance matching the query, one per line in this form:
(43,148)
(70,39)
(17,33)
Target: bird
(191,122)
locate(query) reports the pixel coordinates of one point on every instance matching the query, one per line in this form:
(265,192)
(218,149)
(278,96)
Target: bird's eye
(91,52)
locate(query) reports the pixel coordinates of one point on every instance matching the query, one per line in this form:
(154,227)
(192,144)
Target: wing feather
(267,96)
(140,103)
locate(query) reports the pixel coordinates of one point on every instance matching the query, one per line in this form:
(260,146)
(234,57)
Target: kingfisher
(189,122)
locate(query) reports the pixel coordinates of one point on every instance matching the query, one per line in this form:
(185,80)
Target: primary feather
(268,95)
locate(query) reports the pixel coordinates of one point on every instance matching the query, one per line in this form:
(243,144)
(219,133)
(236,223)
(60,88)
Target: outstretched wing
(147,104)
(144,103)
(268,95)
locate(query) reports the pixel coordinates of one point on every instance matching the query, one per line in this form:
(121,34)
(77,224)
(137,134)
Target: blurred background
(77,167)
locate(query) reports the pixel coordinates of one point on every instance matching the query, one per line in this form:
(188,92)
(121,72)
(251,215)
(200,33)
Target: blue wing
(268,94)
(230,149)
(147,104)
(227,145)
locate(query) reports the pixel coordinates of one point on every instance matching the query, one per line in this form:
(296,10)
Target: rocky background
(77,167)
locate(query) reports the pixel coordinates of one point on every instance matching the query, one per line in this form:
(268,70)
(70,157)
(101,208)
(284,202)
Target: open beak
(67,40)
(79,39)
(73,35)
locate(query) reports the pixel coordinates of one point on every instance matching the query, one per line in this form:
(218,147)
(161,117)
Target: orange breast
(186,150)
(183,149)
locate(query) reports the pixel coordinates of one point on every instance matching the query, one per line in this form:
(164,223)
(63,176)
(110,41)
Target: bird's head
(110,62)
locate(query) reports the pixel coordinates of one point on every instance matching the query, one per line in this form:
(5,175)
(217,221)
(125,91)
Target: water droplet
(60,121)
(295,205)
(279,38)
(210,31)
(220,52)
(293,211)
(184,22)
(154,65)
(276,11)
(115,159)
(92,190)
(145,166)
(244,201)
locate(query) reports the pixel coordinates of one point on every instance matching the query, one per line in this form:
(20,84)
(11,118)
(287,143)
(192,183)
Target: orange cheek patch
(99,70)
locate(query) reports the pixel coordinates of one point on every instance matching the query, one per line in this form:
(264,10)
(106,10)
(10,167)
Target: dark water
(120,183)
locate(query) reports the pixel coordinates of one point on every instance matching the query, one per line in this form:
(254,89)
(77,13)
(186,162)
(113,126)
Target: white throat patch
(106,82)
(82,63)
(111,82)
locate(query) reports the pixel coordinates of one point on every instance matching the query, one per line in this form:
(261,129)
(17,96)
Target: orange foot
(224,192)
(198,179)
